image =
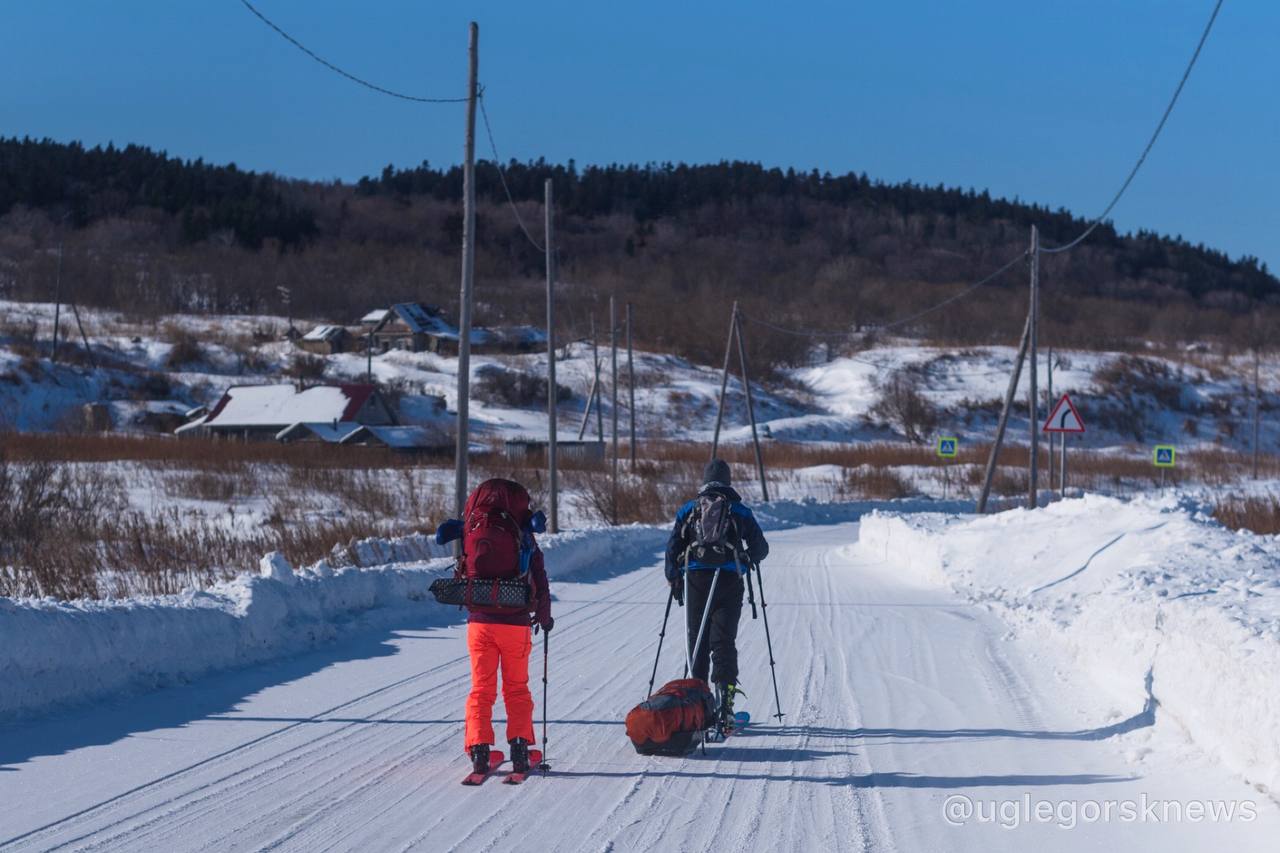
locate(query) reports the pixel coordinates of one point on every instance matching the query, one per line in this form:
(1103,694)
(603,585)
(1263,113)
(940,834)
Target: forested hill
(152,232)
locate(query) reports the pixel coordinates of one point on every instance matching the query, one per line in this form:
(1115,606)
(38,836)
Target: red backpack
(493,543)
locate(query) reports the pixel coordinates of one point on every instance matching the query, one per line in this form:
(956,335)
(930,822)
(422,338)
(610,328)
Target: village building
(402,439)
(534,450)
(415,327)
(284,412)
(325,340)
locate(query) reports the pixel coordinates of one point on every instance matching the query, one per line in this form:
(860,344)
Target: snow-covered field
(1192,398)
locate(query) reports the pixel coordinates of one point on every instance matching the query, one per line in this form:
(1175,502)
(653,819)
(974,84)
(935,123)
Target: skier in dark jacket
(692,566)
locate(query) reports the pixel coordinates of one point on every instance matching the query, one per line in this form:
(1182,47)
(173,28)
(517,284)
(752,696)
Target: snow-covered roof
(330,432)
(323,333)
(518,334)
(399,437)
(375,316)
(423,320)
(284,405)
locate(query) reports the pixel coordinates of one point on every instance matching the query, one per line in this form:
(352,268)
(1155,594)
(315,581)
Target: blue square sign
(948,448)
(1165,456)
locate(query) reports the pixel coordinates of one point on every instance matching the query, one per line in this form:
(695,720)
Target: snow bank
(64,653)
(1152,585)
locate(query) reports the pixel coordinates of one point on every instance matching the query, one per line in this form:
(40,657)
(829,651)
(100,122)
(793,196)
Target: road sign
(1165,456)
(948,448)
(1064,417)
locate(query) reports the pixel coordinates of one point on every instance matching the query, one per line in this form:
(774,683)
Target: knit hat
(716,473)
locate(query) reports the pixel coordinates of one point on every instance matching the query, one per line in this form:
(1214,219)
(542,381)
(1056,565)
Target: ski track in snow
(896,696)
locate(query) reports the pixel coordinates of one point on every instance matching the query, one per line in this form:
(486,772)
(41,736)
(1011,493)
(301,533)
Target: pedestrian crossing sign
(1165,455)
(949,447)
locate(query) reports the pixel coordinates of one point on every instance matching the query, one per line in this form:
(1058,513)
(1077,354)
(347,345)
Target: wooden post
(553,401)
(631,389)
(1033,404)
(1257,411)
(591,398)
(724,378)
(57,304)
(84,339)
(599,396)
(468,277)
(1009,394)
(613,373)
(751,412)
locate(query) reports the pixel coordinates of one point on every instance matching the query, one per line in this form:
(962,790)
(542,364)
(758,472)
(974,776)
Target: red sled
(672,721)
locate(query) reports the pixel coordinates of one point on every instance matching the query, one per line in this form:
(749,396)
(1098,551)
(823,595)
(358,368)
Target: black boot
(520,755)
(480,758)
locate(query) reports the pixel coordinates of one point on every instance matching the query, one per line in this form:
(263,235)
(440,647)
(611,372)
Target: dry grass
(200,453)
(67,530)
(1261,514)
(649,495)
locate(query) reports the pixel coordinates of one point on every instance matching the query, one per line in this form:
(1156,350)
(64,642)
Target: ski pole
(751,593)
(543,765)
(706,614)
(654,675)
(764,608)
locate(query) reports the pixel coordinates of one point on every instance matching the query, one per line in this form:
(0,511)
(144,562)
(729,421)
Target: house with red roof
(286,413)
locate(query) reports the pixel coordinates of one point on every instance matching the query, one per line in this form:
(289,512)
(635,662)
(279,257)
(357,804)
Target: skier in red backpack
(498,530)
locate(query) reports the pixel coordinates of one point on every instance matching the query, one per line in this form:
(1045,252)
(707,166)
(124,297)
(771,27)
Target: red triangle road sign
(1064,417)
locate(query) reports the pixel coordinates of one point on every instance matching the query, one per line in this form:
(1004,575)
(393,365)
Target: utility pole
(1032,401)
(751,410)
(613,362)
(631,389)
(598,394)
(1009,394)
(724,378)
(552,388)
(1050,400)
(468,276)
(1257,410)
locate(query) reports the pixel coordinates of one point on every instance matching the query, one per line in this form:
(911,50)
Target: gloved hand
(546,626)
(677,589)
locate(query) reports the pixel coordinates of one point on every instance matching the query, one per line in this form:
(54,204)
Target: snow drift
(63,653)
(1152,587)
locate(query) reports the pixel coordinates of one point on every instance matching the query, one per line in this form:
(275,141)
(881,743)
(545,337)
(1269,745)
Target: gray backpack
(713,533)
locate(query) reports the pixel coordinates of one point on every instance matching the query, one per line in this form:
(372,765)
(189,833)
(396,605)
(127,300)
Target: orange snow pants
(493,647)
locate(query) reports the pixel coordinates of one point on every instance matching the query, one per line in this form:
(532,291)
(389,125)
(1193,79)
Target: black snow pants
(719,639)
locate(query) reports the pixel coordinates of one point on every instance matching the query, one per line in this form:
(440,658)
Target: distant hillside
(151,233)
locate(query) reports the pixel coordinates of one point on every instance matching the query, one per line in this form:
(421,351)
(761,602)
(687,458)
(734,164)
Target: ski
(719,734)
(514,778)
(473,779)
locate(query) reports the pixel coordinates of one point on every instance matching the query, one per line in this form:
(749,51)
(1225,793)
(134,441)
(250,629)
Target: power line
(497,162)
(813,333)
(799,333)
(951,299)
(353,78)
(1151,142)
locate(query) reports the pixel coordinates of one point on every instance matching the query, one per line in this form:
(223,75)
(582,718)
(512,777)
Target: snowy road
(901,700)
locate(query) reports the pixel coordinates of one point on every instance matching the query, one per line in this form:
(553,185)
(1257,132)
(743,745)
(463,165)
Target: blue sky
(1048,102)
